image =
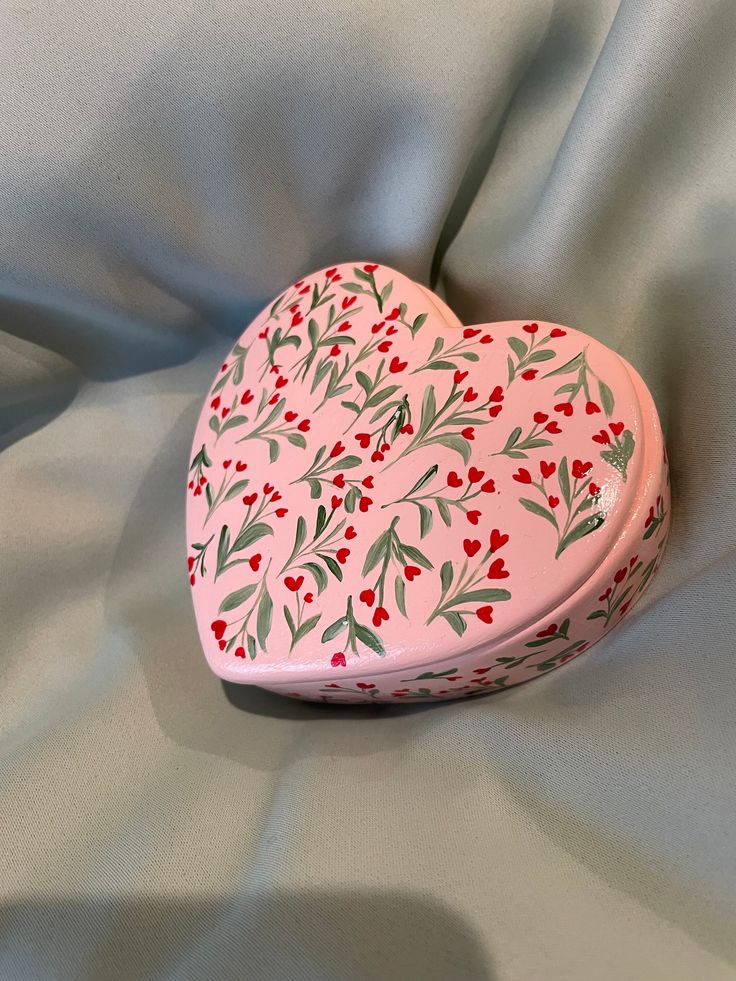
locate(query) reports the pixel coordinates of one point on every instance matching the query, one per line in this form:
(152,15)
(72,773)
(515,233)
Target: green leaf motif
(233,600)
(482,596)
(563,475)
(296,439)
(332,565)
(586,526)
(425,478)
(250,534)
(606,398)
(414,555)
(619,456)
(446,575)
(452,441)
(400,592)
(306,628)
(425,520)
(265,615)
(375,553)
(444,511)
(456,621)
(237,488)
(334,629)
(572,365)
(541,355)
(319,574)
(369,638)
(518,347)
(537,509)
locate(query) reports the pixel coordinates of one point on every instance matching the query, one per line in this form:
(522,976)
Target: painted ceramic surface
(383,504)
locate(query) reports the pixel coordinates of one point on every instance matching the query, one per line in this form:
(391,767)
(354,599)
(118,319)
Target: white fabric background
(166,169)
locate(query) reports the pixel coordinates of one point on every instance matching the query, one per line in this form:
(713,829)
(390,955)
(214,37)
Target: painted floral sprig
(473,485)
(196,562)
(280,338)
(616,593)
(273,428)
(443,358)
(253,528)
(373,396)
(232,371)
(354,632)
(324,463)
(331,336)
(198,478)
(367,286)
(530,352)
(387,431)
(328,367)
(576,497)
(327,543)
(230,486)
(460,594)
(386,553)
(242,639)
(654,519)
(579,367)
(456,414)
(619,450)
(298,626)
(363,688)
(517,445)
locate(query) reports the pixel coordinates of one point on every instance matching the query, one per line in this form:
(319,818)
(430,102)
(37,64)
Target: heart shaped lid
(370,481)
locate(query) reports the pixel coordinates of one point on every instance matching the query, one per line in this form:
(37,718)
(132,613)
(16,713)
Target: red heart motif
(396,365)
(247,397)
(379,615)
(558,332)
(498,540)
(367,482)
(471,546)
(549,631)
(290,416)
(602,437)
(368,597)
(348,301)
(336,501)
(489,486)
(486,339)
(239,652)
(546,468)
(370,267)
(334,351)
(280,512)
(470,395)
(468,433)
(553,501)
(267,488)
(363,439)
(458,377)
(473,517)
(540,417)
(350,533)
(579,469)
(376,327)
(218,628)
(531,328)
(293,584)
(411,572)
(475,475)
(364,685)
(339,480)
(496,570)
(342,555)
(553,427)
(303,426)
(566,408)
(391,330)
(337,449)
(471,332)
(591,408)
(384,347)
(338,660)
(529,375)
(254,561)
(496,395)
(484,613)
(343,327)
(250,499)
(617,428)
(365,503)
(523,476)
(240,466)
(454,480)
(494,410)
(394,315)
(376,456)
(225,412)
(308,597)
(226,464)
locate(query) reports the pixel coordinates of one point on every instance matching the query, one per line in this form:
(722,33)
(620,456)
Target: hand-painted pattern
(340,383)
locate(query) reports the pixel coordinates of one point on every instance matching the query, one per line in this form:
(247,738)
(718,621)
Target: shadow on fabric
(267,936)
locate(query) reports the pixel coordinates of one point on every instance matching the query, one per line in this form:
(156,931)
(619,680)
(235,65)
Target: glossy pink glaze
(478,579)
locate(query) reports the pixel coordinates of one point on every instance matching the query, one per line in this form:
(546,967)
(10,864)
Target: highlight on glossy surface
(386,505)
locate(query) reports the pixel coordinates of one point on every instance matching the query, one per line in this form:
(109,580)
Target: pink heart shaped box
(383,505)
